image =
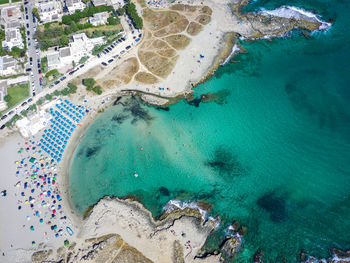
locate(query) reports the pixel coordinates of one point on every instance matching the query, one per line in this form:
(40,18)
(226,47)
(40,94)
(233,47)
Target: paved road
(32,50)
(89,64)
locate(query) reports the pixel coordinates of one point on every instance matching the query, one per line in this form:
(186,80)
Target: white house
(8,65)
(99,19)
(13,38)
(74,5)
(99,2)
(49,10)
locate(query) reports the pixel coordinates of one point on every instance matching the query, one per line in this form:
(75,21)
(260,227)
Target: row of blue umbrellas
(55,138)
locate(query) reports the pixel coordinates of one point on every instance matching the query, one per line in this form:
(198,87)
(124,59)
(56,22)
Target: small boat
(69,231)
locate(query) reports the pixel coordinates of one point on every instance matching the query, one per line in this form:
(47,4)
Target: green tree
(97,90)
(7,98)
(72,88)
(89,83)
(121,11)
(113,20)
(56,93)
(63,41)
(48,97)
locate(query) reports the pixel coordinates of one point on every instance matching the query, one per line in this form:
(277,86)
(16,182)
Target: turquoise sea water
(273,154)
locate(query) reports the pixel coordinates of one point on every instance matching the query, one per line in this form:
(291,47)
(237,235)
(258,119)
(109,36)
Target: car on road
(11,112)
(27,17)
(39,71)
(128,47)
(98,55)
(34,94)
(28,69)
(140,35)
(27,25)
(63,78)
(4,117)
(104,63)
(110,61)
(2,127)
(137,39)
(71,73)
(122,52)
(116,56)
(28,33)
(82,65)
(29,100)
(24,103)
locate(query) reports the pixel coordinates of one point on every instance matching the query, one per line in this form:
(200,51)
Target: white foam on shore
(177,204)
(297,13)
(234,50)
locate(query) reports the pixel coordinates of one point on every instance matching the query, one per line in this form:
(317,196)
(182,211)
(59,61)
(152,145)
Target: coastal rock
(258,256)
(231,245)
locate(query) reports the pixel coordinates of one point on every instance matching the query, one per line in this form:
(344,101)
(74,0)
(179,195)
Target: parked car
(63,78)
(104,63)
(82,65)
(56,82)
(2,127)
(110,61)
(137,39)
(3,117)
(24,103)
(29,100)
(128,47)
(11,112)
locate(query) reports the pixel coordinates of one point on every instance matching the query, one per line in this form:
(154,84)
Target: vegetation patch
(16,94)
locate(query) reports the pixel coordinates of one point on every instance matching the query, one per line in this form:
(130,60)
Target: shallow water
(273,151)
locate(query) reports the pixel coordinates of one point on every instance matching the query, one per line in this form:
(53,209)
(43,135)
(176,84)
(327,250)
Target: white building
(82,45)
(13,38)
(99,2)
(49,10)
(8,65)
(53,60)
(74,5)
(99,19)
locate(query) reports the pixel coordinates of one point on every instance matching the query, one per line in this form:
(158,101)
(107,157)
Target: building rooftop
(65,52)
(53,59)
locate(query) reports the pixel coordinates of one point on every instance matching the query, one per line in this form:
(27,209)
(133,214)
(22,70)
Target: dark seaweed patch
(119,118)
(133,106)
(224,162)
(195,102)
(90,151)
(275,205)
(164,191)
(163,108)
(116,102)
